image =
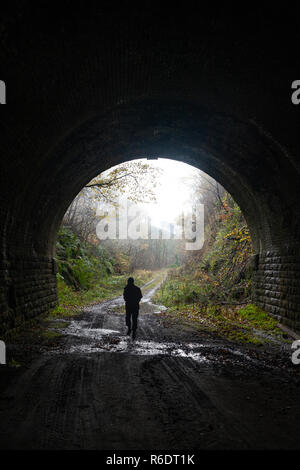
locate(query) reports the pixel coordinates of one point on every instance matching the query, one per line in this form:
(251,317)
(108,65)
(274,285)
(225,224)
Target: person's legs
(134,323)
(128,321)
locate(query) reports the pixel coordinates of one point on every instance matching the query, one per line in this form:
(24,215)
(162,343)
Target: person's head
(130,281)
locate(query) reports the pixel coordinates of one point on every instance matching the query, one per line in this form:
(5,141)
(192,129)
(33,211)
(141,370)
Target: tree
(136,180)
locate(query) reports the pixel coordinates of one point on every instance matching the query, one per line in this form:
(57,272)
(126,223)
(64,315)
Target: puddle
(138,348)
(77,328)
(148,295)
(158,308)
(91,339)
(100,340)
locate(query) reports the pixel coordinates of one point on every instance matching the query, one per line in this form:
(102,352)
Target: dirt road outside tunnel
(170,389)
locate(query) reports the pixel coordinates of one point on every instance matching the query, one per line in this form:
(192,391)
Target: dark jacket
(132,296)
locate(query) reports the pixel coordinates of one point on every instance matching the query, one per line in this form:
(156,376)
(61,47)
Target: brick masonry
(28,288)
(277,286)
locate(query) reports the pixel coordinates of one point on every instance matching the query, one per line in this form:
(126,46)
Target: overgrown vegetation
(248,324)
(208,286)
(81,264)
(219,272)
(88,273)
(213,284)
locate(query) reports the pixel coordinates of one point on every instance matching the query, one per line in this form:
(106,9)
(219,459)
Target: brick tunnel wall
(277,285)
(28,288)
(145,86)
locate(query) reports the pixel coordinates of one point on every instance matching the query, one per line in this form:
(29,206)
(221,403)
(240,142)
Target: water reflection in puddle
(139,348)
(113,341)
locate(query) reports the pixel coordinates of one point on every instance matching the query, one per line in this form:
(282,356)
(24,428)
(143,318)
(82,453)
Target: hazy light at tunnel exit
(173,190)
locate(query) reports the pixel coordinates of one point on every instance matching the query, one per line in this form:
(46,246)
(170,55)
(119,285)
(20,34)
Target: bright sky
(172,191)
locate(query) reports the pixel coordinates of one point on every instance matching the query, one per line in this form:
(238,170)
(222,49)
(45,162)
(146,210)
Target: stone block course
(276,286)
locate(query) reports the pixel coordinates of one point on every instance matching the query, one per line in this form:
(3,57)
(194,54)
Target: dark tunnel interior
(94,85)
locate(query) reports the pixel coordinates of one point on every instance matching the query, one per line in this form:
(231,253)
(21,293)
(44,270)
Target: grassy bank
(71,301)
(241,323)
(88,273)
(211,291)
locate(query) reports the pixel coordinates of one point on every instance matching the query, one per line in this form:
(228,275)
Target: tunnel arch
(223,146)
(90,88)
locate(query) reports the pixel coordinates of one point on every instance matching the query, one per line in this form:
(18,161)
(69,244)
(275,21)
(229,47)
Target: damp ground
(85,384)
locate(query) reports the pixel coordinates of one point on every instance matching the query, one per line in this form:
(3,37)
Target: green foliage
(244,325)
(121,263)
(219,273)
(14,363)
(179,291)
(207,290)
(88,274)
(80,264)
(228,254)
(71,301)
(258,317)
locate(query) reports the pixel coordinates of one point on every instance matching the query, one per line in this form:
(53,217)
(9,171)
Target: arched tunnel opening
(226,149)
(160,221)
(94,87)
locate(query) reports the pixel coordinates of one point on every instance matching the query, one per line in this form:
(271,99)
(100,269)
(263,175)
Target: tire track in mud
(102,391)
(187,414)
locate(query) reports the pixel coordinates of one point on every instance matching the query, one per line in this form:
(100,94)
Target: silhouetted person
(132,296)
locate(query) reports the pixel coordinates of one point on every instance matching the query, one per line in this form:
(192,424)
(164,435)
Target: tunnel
(92,86)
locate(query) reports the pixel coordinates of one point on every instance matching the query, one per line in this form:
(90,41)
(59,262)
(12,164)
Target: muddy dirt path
(169,389)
